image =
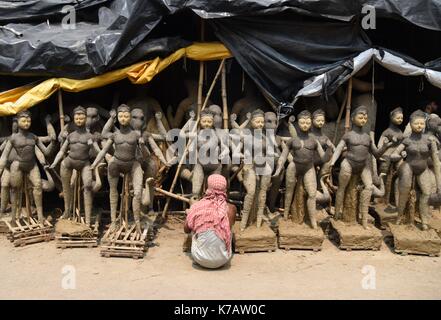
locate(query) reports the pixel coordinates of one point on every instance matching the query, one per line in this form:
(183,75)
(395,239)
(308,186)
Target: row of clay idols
(411,157)
(309,152)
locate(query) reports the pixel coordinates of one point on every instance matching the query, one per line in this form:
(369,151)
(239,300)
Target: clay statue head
(304,120)
(93,117)
(434,123)
(79,116)
(24,120)
(207,120)
(217,112)
(137,122)
(360,116)
(318,118)
(418,121)
(14,125)
(270,120)
(257,119)
(124,115)
(396,116)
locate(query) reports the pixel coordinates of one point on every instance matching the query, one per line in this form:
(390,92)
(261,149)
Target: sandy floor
(36,272)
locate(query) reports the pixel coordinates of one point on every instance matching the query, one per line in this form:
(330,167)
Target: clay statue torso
(358,148)
(79,146)
(303,150)
(418,152)
(323,140)
(126,145)
(24,145)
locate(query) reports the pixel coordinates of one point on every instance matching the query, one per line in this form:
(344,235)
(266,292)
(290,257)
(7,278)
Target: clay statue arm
(160,125)
(381,141)
(96,147)
(50,128)
(337,153)
(5,155)
(321,152)
(46,150)
(156,150)
(378,152)
(282,159)
(60,154)
(102,153)
(3,145)
(180,112)
(291,128)
(397,155)
(107,129)
(436,163)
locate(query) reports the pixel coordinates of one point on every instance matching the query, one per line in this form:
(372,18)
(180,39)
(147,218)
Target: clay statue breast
(24,146)
(130,138)
(417,148)
(390,134)
(353,140)
(76,137)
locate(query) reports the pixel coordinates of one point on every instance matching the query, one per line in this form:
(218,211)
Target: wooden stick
(172,195)
(348,107)
(61,109)
(224,97)
(175,179)
(340,114)
(201,73)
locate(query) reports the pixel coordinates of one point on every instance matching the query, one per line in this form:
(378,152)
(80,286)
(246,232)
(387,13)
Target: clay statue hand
(48,118)
(248,115)
(278,170)
(233,117)
(394,139)
(112,114)
(63,135)
(192,114)
(292,119)
(92,167)
(52,166)
(403,154)
(387,142)
(141,141)
(158,115)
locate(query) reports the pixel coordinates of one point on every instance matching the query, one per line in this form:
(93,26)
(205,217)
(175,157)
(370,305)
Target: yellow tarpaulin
(15,100)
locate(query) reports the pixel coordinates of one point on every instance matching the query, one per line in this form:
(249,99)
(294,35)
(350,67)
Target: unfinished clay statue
(394,134)
(254,181)
(248,103)
(303,149)
(182,113)
(208,141)
(416,150)
(318,121)
(148,163)
(126,142)
(359,147)
(77,152)
(24,163)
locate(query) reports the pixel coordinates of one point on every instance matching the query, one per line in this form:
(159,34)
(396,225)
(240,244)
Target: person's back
(210,220)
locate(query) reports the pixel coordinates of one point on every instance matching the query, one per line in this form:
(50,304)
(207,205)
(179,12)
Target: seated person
(210,220)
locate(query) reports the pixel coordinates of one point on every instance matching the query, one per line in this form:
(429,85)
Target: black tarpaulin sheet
(313,37)
(280,53)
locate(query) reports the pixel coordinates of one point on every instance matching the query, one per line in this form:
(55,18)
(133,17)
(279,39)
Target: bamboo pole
(175,179)
(172,195)
(348,107)
(201,73)
(340,114)
(61,110)
(224,97)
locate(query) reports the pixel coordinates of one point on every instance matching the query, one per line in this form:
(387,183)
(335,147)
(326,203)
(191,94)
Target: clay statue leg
(310,183)
(405,176)
(37,191)
(5,186)
(86,175)
(113,177)
(425,183)
(66,175)
(343,180)
(265,182)
(137,176)
(275,190)
(16,181)
(250,186)
(149,192)
(197,180)
(366,193)
(290,184)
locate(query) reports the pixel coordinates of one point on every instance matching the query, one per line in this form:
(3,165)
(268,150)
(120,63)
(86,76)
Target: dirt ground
(36,272)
